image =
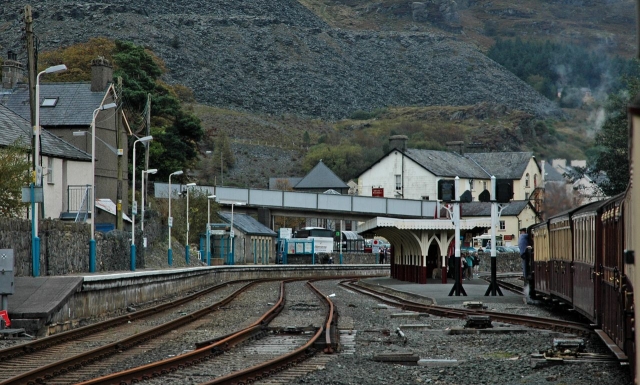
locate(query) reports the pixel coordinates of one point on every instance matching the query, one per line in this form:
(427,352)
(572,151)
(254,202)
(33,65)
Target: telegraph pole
(31,65)
(119,140)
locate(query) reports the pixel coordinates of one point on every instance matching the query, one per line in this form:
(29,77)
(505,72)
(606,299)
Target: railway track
(72,356)
(264,349)
(524,320)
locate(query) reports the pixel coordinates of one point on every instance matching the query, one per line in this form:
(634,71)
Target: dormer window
(49,102)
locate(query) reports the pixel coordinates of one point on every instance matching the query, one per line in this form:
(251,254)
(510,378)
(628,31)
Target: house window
(503,226)
(526,180)
(425,197)
(535,180)
(484,185)
(50,170)
(470,184)
(49,102)
(526,196)
(398,182)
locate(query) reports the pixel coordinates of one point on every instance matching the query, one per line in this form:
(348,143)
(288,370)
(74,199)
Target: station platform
(52,304)
(438,292)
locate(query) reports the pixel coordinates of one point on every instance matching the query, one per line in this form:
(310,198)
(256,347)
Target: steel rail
(535,322)
(159,368)
(266,369)
(47,342)
(55,369)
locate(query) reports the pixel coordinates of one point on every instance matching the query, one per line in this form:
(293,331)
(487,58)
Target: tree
(223,152)
(559,197)
(14,168)
(175,130)
(613,139)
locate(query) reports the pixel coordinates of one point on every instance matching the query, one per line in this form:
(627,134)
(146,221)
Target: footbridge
(420,237)
(303,204)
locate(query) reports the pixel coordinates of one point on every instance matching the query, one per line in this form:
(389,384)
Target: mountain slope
(279,57)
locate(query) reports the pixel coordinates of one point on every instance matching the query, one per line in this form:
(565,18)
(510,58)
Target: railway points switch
(478,322)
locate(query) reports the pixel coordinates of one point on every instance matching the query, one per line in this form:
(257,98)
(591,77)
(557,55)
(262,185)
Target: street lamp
(186,255)
(134,208)
(170,219)
(231,234)
(150,171)
(92,242)
(37,172)
(209,198)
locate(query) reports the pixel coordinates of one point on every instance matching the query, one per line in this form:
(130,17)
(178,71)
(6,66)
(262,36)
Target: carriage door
(611,302)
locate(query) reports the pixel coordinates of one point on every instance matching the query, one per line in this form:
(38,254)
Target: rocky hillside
(279,57)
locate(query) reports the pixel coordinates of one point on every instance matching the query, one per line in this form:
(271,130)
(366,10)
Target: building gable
(321,177)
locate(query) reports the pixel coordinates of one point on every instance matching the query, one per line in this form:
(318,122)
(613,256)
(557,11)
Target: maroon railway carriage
(587,257)
(612,300)
(541,264)
(561,256)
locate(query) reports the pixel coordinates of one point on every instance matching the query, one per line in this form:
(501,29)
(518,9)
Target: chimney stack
(12,71)
(101,74)
(399,142)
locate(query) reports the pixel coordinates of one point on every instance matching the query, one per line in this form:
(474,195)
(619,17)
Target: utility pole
(119,141)
(147,145)
(31,65)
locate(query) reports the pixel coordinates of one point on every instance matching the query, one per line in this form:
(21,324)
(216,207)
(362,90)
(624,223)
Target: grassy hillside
(608,25)
(273,146)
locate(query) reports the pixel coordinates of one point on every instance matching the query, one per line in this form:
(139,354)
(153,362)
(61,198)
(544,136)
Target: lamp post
(150,171)
(92,243)
(231,234)
(186,250)
(170,219)
(134,208)
(37,172)
(209,198)
(118,152)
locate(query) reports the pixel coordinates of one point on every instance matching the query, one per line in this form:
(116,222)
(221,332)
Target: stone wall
(64,247)
(505,262)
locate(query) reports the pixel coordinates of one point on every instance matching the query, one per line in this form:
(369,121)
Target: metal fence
(78,198)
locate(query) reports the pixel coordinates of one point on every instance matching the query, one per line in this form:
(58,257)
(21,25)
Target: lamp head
(151,171)
(79,133)
(145,139)
(54,69)
(190,184)
(211,197)
(108,106)
(177,173)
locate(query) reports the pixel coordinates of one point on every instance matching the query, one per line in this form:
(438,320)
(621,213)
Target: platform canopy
(422,224)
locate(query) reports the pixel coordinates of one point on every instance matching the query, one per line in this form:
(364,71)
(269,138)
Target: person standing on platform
(524,247)
(469,269)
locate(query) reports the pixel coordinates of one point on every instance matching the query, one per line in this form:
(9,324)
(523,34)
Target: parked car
(499,249)
(514,249)
(468,249)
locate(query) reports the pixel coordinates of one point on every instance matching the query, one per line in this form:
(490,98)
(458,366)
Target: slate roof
(503,165)
(247,224)
(447,164)
(483,209)
(321,177)
(507,165)
(552,175)
(14,129)
(75,106)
